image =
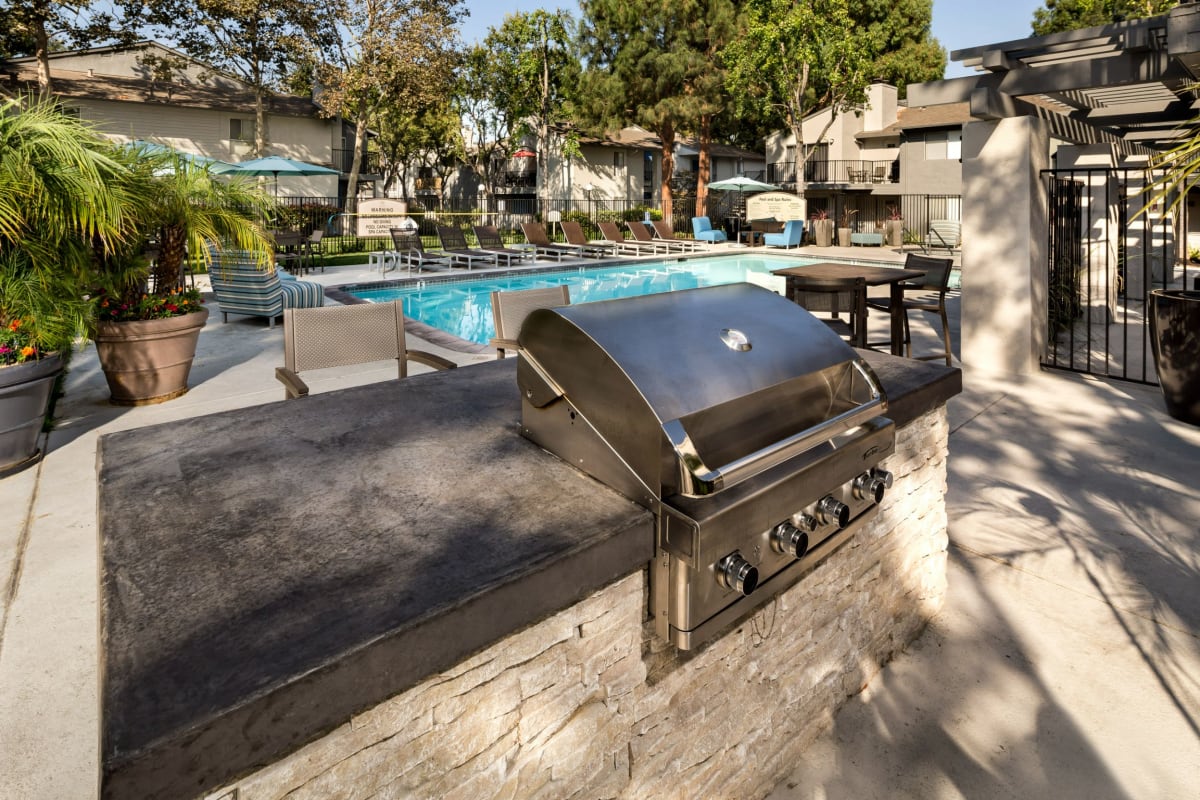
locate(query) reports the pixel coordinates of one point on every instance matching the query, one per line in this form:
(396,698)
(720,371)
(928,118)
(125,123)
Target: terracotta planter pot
(823,232)
(893,232)
(148,361)
(24,398)
(1175,337)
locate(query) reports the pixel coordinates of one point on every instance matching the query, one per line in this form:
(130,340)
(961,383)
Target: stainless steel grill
(749,428)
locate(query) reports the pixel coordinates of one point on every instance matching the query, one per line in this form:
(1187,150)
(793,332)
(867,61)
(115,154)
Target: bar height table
(872,276)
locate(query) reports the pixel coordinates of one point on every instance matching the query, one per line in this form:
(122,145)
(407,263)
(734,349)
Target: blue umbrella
(278,165)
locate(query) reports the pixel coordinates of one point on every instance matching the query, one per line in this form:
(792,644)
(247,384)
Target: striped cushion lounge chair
(242,287)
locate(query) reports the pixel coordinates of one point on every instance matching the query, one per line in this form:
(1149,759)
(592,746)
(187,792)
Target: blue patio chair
(793,232)
(241,287)
(702,229)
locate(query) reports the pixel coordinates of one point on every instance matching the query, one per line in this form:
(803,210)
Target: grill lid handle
(697,480)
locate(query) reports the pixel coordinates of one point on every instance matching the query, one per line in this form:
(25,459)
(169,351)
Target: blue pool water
(464,308)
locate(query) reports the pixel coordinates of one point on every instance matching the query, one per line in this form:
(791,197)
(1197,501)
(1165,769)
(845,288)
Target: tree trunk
(261,134)
(543,143)
(667,134)
(172,250)
(42,53)
(796,119)
(360,142)
(704,170)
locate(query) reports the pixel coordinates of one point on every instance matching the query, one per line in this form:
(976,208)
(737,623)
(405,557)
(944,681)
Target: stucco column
(1004,245)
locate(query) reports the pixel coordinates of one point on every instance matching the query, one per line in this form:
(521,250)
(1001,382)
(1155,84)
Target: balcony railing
(854,173)
(368,164)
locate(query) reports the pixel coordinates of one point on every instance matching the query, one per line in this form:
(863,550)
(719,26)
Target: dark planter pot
(24,398)
(1175,336)
(148,361)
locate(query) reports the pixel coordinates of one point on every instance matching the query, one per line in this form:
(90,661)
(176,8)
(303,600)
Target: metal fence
(305,214)
(1106,252)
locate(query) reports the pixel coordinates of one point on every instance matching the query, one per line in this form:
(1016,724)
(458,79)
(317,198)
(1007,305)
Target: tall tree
(406,137)
(642,69)
(707,33)
(259,41)
(907,51)
(532,71)
(488,125)
(799,58)
(35,27)
(397,54)
(1069,15)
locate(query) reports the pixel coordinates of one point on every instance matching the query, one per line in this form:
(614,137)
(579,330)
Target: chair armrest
(430,360)
(292,383)
(503,344)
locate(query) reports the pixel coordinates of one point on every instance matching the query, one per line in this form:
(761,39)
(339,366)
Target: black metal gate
(1107,251)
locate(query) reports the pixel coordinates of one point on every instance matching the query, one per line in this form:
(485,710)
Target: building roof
(947,115)
(22,76)
(632,137)
(716,150)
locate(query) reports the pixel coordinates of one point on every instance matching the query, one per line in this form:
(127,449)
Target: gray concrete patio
(1063,665)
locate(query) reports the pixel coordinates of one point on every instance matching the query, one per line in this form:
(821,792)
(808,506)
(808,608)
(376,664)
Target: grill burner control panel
(806,530)
(714,565)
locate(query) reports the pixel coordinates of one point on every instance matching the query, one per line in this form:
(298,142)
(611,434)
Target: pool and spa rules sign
(377,217)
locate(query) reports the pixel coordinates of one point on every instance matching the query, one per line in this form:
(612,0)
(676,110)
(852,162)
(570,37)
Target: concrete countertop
(271,571)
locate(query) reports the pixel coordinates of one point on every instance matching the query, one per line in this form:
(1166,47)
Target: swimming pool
(464,307)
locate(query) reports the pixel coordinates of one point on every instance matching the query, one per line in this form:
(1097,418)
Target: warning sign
(377,217)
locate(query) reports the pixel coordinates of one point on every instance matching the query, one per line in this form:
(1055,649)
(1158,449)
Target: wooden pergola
(1131,84)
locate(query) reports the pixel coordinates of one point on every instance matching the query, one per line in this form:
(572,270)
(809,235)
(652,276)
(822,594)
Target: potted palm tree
(146,340)
(61,201)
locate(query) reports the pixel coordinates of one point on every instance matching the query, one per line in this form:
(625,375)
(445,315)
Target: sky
(956,23)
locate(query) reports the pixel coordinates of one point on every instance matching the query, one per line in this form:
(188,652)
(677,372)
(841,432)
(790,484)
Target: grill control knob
(883,475)
(735,572)
(869,487)
(805,522)
(831,510)
(787,538)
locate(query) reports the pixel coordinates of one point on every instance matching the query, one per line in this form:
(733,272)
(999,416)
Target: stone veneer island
(387,591)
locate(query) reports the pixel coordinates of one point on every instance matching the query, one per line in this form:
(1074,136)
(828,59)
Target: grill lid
(732,379)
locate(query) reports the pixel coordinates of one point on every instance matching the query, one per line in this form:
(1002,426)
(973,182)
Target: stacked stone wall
(590,704)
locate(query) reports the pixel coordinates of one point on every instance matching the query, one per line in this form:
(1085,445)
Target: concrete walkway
(1064,664)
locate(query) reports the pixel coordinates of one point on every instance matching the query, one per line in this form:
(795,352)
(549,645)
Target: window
(241,130)
(619,159)
(935,145)
(942,145)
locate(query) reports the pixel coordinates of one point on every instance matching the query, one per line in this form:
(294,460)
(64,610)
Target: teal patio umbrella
(154,148)
(278,165)
(742,185)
